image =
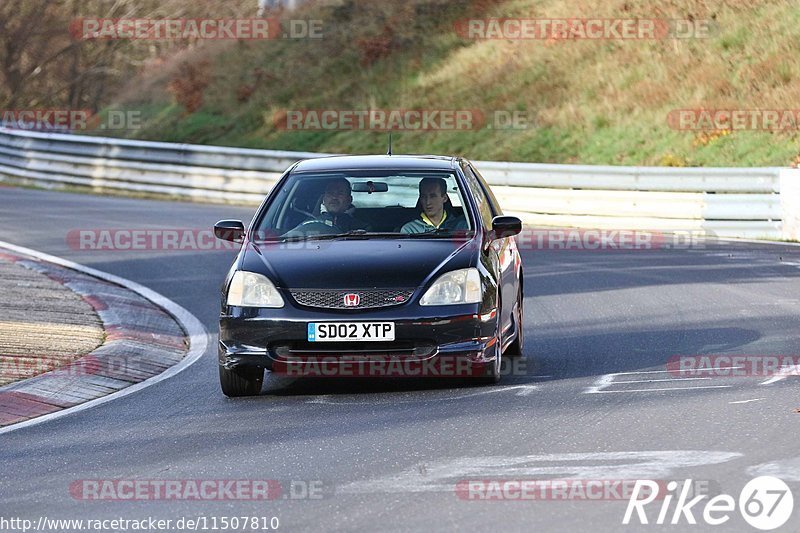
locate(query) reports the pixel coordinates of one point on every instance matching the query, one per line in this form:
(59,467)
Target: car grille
(335,299)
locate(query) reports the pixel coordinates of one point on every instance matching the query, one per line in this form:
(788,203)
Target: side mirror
(229,230)
(504,226)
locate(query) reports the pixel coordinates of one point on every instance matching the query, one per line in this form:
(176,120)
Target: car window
(382,201)
(495,205)
(480,198)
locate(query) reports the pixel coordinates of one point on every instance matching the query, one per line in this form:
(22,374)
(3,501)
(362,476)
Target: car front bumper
(446,341)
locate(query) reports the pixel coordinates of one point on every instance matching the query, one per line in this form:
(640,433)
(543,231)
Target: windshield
(363,204)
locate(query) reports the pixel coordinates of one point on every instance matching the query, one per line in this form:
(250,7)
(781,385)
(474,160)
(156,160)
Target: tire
(515,349)
(237,382)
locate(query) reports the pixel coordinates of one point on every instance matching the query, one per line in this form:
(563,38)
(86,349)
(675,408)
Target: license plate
(350,331)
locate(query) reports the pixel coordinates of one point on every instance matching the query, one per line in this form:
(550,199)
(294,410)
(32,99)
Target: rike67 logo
(766,503)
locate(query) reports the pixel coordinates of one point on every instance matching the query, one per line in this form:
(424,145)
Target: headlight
(249,289)
(456,287)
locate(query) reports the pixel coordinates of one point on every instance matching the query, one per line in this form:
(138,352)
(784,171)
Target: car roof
(376,162)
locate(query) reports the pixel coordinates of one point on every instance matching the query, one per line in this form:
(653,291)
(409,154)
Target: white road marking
(780,301)
(600,383)
(793,370)
(657,380)
(747,401)
(661,389)
(442,475)
(607,380)
(325,399)
(785,469)
(195,331)
(330,399)
(663,371)
(640,372)
(524,390)
(756,241)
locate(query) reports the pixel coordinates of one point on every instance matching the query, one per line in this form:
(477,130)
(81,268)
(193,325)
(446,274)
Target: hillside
(588,101)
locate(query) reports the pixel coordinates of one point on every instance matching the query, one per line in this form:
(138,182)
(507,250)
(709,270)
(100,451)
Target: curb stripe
(195,331)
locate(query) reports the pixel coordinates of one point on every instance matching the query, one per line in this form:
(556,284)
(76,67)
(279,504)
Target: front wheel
(236,382)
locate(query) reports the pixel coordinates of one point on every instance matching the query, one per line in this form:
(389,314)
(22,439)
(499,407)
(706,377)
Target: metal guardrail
(734,202)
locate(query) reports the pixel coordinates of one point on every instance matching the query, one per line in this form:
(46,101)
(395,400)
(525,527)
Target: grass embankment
(589,101)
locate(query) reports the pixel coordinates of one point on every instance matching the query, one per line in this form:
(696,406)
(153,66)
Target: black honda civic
(376,266)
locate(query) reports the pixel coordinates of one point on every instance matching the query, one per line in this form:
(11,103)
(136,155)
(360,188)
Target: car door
(504,250)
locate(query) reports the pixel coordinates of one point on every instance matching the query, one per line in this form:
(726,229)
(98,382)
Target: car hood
(355,264)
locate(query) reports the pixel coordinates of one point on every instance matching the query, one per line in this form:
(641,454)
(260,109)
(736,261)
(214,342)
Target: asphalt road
(388,454)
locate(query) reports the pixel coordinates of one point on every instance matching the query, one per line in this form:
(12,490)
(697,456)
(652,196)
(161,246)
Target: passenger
(435,213)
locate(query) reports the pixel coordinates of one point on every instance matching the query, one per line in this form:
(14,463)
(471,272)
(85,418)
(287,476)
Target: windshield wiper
(356,233)
(439,232)
(364,234)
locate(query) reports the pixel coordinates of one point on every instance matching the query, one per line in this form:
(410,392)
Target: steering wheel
(296,209)
(312,227)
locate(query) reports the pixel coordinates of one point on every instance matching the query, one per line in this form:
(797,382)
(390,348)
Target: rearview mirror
(505,226)
(370,187)
(229,230)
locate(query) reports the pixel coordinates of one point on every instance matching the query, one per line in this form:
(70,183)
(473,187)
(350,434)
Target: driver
(337,206)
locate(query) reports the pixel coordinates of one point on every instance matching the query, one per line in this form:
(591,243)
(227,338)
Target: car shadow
(284,386)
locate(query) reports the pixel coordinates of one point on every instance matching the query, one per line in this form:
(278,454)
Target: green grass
(593,102)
